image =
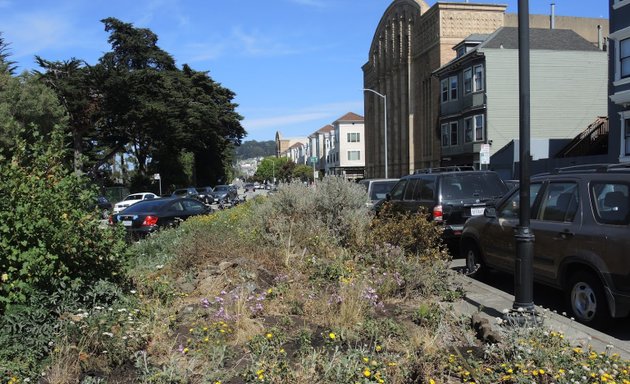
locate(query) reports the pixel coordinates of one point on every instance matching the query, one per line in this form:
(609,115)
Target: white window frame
(444,91)
(354,137)
(478,77)
(454,133)
(624,145)
(358,153)
(626,58)
(453,85)
(469,130)
(479,128)
(468,81)
(446,137)
(615,38)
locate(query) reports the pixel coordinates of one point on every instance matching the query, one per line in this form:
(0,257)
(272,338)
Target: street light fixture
(385,126)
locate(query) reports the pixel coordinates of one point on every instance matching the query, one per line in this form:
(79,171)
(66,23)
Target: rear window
(381,188)
(461,186)
(611,203)
(145,206)
(134,197)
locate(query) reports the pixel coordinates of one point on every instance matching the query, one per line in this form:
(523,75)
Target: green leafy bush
(50,238)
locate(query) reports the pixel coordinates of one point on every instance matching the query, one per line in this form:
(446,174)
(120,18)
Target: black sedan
(148,216)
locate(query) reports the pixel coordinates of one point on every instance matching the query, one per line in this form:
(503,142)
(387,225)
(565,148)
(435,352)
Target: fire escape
(592,141)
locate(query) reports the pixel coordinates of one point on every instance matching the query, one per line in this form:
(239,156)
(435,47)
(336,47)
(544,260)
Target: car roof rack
(451,168)
(592,168)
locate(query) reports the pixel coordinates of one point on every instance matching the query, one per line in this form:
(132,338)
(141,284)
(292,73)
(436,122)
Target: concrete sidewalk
(493,302)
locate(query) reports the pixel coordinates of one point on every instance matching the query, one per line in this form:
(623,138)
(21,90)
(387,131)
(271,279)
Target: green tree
(26,105)
(6,66)
(272,168)
(303,172)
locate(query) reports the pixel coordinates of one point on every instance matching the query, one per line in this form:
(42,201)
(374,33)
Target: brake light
(149,221)
(438,215)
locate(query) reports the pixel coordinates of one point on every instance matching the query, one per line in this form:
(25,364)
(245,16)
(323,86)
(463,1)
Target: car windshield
(221,188)
(484,186)
(137,196)
(145,206)
(381,188)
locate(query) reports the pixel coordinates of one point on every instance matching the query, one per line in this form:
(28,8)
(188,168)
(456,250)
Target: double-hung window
(626,132)
(468,130)
(624,57)
(453,87)
(354,155)
(478,78)
(445,135)
(479,127)
(468,81)
(444,90)
(354,137)
(454,133)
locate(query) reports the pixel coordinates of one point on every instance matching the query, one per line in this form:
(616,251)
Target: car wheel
(472,256)
(587,300)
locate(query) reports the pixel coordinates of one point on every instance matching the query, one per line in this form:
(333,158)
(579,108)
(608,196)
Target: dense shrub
(330,213)
(49,237)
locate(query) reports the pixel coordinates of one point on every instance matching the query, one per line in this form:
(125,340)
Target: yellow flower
(205,340)
(365,359)
(185,350)
(378,348)
(5,277)
(366,372)
(332,335)
(541,371)
(431,381)
(269,336)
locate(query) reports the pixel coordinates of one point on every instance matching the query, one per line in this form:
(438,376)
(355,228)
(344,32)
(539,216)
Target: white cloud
(255,43)
(319,115)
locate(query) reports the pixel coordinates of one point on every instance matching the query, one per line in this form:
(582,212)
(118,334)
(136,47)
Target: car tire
(587,300)
(472,256)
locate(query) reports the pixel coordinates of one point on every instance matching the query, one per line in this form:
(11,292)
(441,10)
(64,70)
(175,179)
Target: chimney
(599,37)
(552,18)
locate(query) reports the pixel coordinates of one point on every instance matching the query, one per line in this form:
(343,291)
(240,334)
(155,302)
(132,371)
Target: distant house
(318,147)
(346,156)
(283,144)
(619,73)
(479,93)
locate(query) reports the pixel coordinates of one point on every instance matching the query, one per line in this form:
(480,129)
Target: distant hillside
(255,148)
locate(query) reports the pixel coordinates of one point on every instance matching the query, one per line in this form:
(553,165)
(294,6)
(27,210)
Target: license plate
(477,211)
(127,223)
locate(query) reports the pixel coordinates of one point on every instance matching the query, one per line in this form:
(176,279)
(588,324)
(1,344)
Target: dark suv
(580,220)
(450,196)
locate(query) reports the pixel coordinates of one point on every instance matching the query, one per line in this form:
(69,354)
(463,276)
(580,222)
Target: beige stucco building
(410,42)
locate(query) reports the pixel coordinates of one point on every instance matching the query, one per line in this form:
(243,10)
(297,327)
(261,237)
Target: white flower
(108,334)
(506,311)
(159,266)
(133,291)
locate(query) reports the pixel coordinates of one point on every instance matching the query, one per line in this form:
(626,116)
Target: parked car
(148,216)
(132,199)
(205,194)
(377,189)
(224,194)
(249,187)
(450,196)
(580,222)
(186,192)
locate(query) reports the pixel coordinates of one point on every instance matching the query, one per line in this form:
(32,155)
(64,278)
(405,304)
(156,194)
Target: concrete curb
(491,302)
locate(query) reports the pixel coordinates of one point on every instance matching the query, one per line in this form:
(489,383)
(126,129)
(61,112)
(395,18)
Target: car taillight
(149,220)
(437,213)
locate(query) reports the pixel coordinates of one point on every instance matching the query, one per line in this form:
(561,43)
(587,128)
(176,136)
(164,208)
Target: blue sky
(295,65)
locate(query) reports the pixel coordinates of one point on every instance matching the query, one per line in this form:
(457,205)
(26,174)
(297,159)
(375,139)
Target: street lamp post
(385,126)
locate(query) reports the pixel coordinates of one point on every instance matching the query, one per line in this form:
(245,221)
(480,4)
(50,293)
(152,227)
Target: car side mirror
(490,212)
